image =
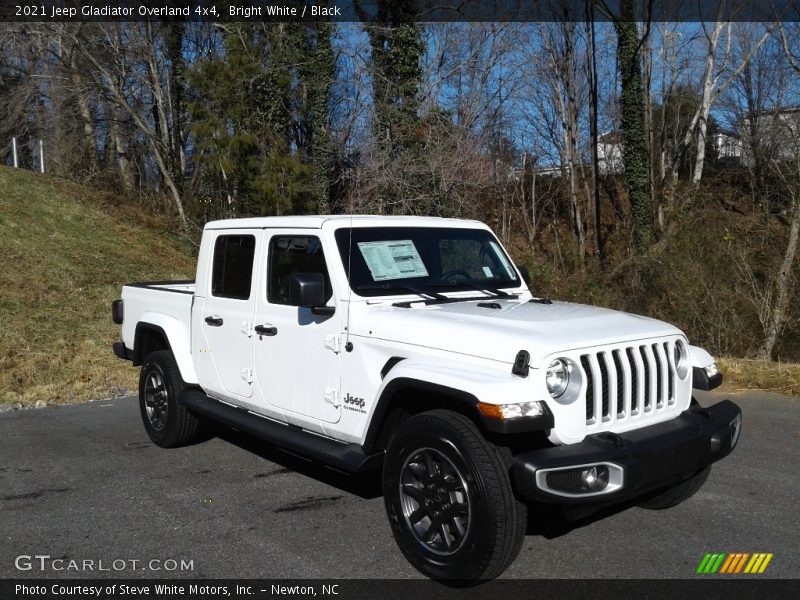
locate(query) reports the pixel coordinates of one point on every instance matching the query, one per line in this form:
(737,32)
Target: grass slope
(65,252)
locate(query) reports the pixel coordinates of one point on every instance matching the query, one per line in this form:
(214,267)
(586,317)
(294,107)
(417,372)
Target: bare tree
(718,73)
(787,168)
(556,97)
(131,72)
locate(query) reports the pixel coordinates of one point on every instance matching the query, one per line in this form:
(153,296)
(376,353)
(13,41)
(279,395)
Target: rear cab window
(232,270)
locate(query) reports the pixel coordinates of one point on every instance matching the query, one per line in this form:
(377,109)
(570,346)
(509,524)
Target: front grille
(628,382)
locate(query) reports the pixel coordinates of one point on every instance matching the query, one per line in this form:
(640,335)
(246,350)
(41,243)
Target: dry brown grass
(740,374)
(65,253)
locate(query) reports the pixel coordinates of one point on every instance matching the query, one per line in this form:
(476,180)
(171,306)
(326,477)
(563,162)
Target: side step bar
(350,458)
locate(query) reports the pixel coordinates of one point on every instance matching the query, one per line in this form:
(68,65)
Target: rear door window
(232,273)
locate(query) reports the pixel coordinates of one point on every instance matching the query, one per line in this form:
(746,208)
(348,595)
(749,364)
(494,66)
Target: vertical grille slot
(646,368)
(601,360)
(670,375)
(587,369)
(663,362)
(659,398)
(620,374)
(635,399)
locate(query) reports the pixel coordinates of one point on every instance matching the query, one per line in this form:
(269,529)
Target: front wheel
(449,500)
(167,422)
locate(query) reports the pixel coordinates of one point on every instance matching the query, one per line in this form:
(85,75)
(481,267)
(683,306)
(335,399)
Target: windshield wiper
(406,288)
(482,288)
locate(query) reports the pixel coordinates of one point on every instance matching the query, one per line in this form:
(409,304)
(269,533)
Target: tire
(678,493)
(167,422)
(482,523)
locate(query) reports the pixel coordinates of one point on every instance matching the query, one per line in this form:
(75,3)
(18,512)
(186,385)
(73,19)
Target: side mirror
(308,290)
(526,276)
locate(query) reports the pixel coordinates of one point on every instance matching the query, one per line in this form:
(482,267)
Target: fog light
(595,478)
(581,481)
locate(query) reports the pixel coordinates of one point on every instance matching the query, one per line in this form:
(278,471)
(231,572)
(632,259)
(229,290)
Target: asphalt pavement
(84,483)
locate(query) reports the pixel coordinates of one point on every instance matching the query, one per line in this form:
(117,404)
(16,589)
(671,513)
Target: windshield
(397,260)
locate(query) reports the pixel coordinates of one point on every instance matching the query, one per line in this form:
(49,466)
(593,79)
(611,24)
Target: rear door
(226,314)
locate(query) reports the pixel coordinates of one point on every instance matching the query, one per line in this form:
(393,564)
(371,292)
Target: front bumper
(637,461)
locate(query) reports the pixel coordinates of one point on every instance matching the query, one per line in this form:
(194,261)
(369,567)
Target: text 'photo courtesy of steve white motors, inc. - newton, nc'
(189,10)
(145,590)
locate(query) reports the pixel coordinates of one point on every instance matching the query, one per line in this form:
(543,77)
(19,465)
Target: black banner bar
(65,11)
(708,588)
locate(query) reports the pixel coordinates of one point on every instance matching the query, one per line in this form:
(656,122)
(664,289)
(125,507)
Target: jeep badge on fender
(476,396)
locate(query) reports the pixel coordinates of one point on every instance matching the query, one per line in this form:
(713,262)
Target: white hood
(498,334)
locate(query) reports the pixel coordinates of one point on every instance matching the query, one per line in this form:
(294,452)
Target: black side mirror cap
(526,276)
(308,290)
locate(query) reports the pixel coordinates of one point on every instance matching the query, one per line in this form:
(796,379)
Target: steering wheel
(454,272)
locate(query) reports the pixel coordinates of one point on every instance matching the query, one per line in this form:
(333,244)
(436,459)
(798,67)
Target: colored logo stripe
(735,562)
(727,564)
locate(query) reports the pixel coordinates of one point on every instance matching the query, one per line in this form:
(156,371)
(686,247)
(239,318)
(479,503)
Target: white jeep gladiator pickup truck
(413,346)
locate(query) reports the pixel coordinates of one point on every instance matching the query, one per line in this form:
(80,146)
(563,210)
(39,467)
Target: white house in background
(609,153)
(777,133)
(728,146)
(778,130)
(609,157)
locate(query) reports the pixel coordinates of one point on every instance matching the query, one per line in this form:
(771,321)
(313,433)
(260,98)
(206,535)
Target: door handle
(266,330)
(214,321)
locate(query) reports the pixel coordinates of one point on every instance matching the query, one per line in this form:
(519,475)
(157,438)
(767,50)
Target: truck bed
(164,304)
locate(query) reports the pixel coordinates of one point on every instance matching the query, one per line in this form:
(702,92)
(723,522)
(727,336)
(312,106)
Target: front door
(297,352)
(226,313)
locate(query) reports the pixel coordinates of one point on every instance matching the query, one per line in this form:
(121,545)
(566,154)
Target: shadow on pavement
(363,485)
(548,521)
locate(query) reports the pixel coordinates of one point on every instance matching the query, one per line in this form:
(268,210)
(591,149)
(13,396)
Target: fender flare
(411,374)
(701,380)
(176,338)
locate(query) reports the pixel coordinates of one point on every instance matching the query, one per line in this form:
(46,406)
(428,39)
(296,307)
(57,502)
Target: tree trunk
(119,152)
(592,60)
(707,98)
(634,143)
(82,100)
(570,115)
(780,312)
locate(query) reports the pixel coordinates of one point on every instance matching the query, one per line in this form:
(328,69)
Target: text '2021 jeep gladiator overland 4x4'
(412,345)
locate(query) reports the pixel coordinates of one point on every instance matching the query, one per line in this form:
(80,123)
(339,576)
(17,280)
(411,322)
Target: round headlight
(681,360)
(557,377)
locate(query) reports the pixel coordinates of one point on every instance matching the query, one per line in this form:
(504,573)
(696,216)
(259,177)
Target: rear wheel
(167,422)
(678,493)
(449,500)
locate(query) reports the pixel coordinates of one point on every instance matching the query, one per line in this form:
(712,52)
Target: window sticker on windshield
(503,260)
(396,259)
(488,272)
